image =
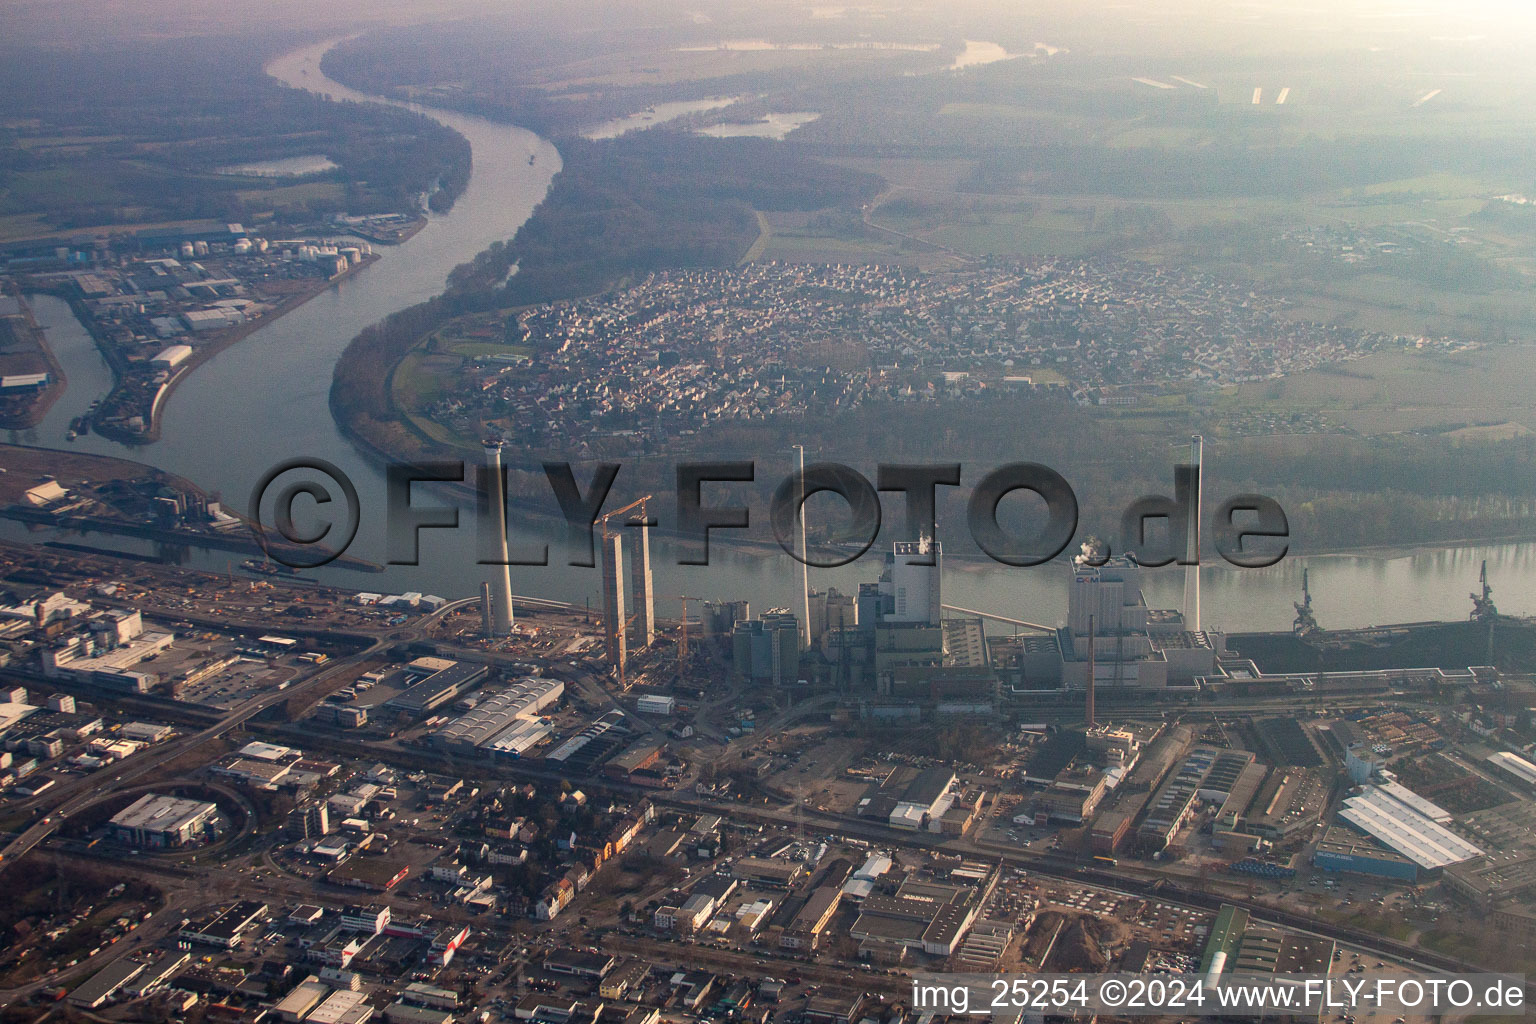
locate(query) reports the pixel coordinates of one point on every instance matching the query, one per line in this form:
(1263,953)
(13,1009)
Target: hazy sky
(63,21)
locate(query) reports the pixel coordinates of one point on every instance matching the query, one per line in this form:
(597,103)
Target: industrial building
(226,928)
(638,757)
(506,723)
(1133,646)
(804,931)
(173,356)
(160,822)
(925,799)
(1291,800)
(1206,774)
(1072,797)
(1237,946)
(1348,851)
(1494,878)
(105,984)
(304,996)
(656,704)
(925,917)
(767,871)
(1404,821)
(1516,767)
(343,1006)
(911,582)
(767,650)
(439,687)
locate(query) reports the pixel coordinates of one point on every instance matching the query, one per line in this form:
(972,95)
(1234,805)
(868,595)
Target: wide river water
(265,400)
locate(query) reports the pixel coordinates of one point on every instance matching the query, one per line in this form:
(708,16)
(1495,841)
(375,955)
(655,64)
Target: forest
(138,133)
(655,199)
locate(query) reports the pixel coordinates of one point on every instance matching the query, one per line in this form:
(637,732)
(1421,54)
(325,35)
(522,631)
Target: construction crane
(682,642)
(682,639)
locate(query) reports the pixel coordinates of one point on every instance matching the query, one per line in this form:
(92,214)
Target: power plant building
(767,650)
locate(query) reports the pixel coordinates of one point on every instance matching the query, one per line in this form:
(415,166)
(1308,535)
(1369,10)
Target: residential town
(687,350)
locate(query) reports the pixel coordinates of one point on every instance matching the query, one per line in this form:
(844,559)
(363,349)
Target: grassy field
(1397,391)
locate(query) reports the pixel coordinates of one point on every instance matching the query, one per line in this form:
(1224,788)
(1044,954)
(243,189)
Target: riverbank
(152,403)
(26,412)
(23,467)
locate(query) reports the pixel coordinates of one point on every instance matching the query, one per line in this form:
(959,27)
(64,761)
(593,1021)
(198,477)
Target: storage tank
(186,250)
(243,246)
(201,248)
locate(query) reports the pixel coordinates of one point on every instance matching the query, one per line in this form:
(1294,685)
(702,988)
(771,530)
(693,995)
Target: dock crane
(1483,608)
(1306,619)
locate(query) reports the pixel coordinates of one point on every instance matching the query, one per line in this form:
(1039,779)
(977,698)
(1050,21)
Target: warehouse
(438,688)
(637,757)
(1170,806)
(306,995)
(516,741)
(1290,801)
(157,974)
(171,357)
(199,320)
(1344,850)
(342,1006)
(405,1013)
(158,822)
(1405,826)
(768,871)
(227,928)
(1517,767)
(926,797)
(489,719)
(105,984)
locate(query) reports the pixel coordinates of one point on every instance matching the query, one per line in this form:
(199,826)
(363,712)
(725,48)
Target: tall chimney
(501,575)
(1088,709)
(644,586)
(1192,537)
(615,618)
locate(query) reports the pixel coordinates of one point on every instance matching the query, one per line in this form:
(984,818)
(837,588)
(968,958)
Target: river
(264,400)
